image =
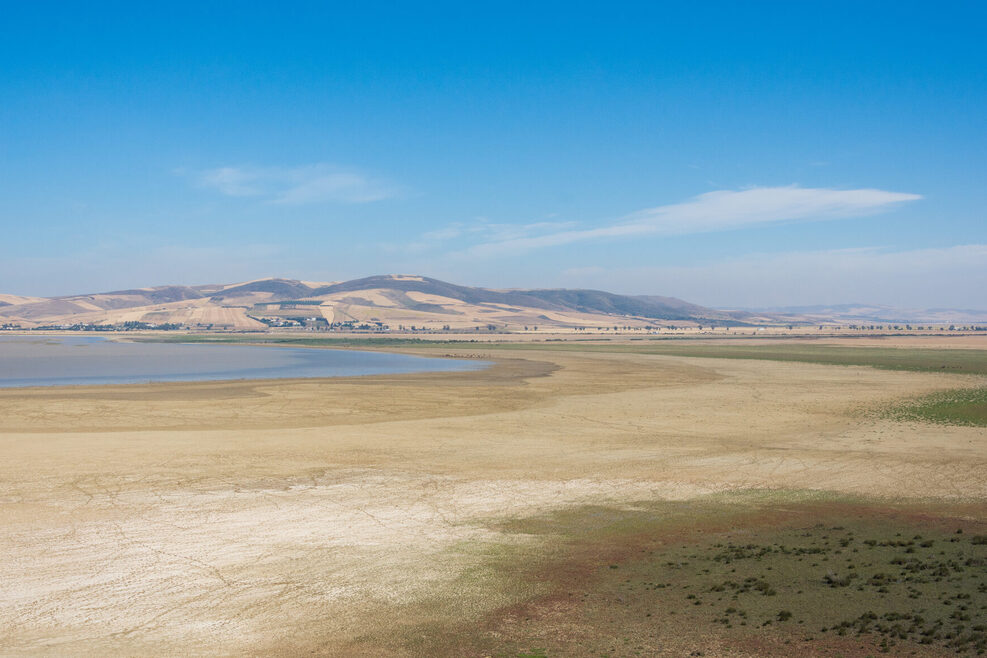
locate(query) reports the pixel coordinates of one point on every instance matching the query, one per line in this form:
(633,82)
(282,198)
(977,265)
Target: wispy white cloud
(231,181)
(949,276)
(717,211)
(316,183)
(480,230)
(494,232)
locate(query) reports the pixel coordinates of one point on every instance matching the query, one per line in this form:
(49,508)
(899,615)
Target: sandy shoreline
(199,517)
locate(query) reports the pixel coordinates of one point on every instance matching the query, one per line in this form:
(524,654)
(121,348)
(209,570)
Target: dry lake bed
(638,498)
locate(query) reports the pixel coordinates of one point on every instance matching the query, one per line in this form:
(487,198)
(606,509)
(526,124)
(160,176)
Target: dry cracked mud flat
(356,516)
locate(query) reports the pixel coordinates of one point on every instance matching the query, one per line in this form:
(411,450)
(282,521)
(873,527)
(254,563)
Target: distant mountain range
(391,300)
(401,301)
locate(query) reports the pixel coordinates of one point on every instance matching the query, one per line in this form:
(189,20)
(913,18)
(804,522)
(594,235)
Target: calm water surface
(75,360)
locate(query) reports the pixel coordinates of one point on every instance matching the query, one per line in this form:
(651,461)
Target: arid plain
(480,513)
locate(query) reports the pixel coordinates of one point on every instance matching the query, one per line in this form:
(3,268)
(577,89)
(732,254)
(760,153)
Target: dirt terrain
(386,515)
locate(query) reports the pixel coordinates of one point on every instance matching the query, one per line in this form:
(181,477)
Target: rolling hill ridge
(394,301)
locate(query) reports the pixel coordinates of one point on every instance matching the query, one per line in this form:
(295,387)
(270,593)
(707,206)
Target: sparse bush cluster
(889,591)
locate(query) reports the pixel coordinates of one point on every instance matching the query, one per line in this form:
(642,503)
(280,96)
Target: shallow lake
(77,360)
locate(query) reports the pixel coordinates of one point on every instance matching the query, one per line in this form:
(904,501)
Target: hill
(593,302)
(391,300)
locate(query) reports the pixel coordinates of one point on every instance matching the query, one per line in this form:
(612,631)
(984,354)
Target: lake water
(76,360)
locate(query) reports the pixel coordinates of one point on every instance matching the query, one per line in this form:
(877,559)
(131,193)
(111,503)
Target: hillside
(593,302)
(391,300)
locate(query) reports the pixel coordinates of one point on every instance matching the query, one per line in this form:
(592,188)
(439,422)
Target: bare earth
(298,516)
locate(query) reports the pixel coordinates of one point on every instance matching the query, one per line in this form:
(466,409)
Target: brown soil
(298,516)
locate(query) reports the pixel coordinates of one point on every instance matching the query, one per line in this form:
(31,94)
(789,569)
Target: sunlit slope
(392,300)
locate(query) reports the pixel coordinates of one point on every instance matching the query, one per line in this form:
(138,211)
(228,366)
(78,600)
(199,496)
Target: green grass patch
(957,361)
(889,584)
(763,572)
(955,407)
(821,576)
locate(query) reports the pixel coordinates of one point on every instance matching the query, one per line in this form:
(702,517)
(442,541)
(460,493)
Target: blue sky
(732,154)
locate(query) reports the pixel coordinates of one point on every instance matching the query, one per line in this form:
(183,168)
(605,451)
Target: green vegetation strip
(956,361)
(832,576)
(953,361)
(956,407)
(891,584)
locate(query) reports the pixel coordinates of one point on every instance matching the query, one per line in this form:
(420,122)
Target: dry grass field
(564,502)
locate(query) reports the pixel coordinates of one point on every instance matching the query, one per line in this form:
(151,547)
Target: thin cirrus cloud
(721,210)
(494,232)
(307,184)
(481,230)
